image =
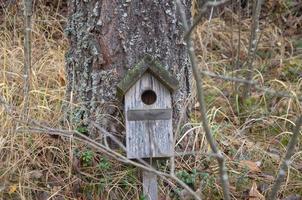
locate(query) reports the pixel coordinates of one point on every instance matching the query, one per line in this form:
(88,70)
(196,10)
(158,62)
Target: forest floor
(253,138)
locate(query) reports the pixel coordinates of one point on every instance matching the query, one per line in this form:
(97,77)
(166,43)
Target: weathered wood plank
(153,67)
(148,138)
(150,114)
(150,188)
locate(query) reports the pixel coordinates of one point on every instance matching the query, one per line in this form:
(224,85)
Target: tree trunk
(109,37)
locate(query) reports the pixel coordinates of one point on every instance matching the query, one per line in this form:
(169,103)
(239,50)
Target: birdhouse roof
(147,64)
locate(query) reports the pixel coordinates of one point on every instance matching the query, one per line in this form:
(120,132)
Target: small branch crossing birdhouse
(147,89)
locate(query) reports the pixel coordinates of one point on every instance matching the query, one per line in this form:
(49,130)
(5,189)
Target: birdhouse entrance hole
(147,91)
(148,97)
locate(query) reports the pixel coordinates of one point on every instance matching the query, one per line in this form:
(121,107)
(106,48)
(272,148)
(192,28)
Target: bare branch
(286,162)
(202,10)
(200,95)
(252,84)
(239,35)
(27,52)
(38,127)
(226,78)
(253,44)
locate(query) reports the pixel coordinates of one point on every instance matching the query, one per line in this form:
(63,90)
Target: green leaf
(82,129)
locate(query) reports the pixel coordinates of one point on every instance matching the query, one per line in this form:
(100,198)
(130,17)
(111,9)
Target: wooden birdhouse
(146,90)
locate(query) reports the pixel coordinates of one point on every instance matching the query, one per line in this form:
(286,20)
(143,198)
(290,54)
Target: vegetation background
(253,138)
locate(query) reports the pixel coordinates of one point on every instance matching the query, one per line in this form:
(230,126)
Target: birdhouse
(146,90)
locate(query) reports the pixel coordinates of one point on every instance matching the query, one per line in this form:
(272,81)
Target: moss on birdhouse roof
(147,64)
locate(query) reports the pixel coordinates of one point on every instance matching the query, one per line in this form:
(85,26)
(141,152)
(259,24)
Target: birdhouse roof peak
(147,64)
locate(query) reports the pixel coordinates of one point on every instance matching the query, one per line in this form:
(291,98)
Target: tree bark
(107,38)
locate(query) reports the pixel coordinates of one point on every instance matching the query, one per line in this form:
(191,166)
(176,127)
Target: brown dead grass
(37,166)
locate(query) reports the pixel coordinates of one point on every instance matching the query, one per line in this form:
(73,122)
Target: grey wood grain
(150,188)
(101,53)
(149,138)
(150,114)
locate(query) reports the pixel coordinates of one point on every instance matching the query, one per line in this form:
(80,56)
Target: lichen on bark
(106,39)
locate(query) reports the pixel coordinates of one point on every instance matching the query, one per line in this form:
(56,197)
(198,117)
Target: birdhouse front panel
(148,112)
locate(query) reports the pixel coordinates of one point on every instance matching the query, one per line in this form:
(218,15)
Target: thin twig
(186,187)
(104,149)
(182,114)
(239,36)
(39,127)
(253,44)
(202,10)
(286,162)
(226,78)
(200,95)
(27,53)
(253,84)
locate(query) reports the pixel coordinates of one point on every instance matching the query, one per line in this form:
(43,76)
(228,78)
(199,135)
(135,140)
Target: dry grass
(36,166)
(260,131)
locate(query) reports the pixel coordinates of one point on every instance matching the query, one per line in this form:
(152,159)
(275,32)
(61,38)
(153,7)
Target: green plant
(215,129)
(292,70)
(284,140)
(87,158)
(143,197)
(242,179)
(207,182)
(88,191)
(101,185)
(250,103)
(82,129)
(298,44)
(104,164)
(188,178)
